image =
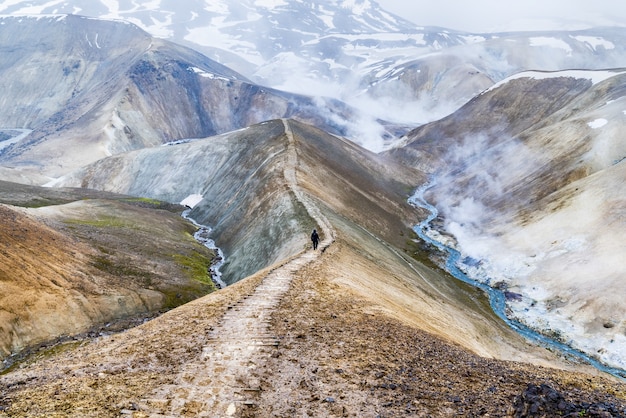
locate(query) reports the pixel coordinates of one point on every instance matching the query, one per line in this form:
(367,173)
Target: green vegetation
(146,202)
(196,265)
(420,250)
(43,202)
(179,295)
(142,200)
(45,350)
(102,222)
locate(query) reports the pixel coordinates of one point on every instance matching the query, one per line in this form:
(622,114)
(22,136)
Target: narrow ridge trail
(224,379)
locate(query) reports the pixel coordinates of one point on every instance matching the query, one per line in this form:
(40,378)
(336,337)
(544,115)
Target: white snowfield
(594,76)
(597,123)
(551,43)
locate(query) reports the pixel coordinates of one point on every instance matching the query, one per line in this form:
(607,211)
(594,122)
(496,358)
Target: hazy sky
(504,15)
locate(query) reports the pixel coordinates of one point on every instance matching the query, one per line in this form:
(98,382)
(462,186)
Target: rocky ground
(336,360)
(337,354)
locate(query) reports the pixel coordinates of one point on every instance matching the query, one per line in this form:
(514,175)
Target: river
(497,297)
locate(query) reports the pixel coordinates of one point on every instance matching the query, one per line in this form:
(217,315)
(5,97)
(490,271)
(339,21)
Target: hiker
(315,238)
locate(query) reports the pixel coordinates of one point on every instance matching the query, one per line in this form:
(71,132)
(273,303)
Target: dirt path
(224,379)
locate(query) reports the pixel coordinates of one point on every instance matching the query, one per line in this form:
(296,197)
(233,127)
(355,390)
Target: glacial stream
(497,298)
(202,236)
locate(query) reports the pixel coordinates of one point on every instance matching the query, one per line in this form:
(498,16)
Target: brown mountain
(73,260)
(358,327)
(368,325)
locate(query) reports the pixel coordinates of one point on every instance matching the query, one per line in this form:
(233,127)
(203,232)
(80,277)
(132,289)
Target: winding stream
(497,298)
(202,236)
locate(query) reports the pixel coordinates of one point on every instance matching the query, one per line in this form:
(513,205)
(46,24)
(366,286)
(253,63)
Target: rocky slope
(354,51)
(239,175)
(339,354)
(369,325)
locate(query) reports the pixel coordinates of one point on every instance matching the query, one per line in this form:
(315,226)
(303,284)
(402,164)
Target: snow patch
(211,34)
(192,200)
(551,43)
(205,74)
(598,123)
(56,17)
(269,4)
(595,41)
(355,7)
(328,20)
(473,39)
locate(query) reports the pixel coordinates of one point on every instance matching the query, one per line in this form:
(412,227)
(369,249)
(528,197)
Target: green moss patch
(196,265)
(421,250)
(102,222)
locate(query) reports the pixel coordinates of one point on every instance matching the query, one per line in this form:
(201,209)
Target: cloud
(498,16)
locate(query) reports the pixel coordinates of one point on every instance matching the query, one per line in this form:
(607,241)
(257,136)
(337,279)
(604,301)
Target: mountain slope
(349,326)
(118,89)
(258,221)
(74,260)
(443,77)
(362,327)
(531,191)
(240,173)
(355,52)
(270,27)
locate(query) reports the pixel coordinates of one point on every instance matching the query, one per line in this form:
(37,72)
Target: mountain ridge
(526,175)
(400,72)
(363,288)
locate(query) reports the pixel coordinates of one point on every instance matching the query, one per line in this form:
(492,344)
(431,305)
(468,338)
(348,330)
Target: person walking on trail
(315,238)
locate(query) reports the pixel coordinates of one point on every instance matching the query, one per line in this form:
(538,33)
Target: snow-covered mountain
(353,51)
(77,89)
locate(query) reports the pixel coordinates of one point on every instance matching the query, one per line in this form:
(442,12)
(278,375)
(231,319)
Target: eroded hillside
(531,192)
(361,330)
(70,266)
(369,325)
(117,89)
